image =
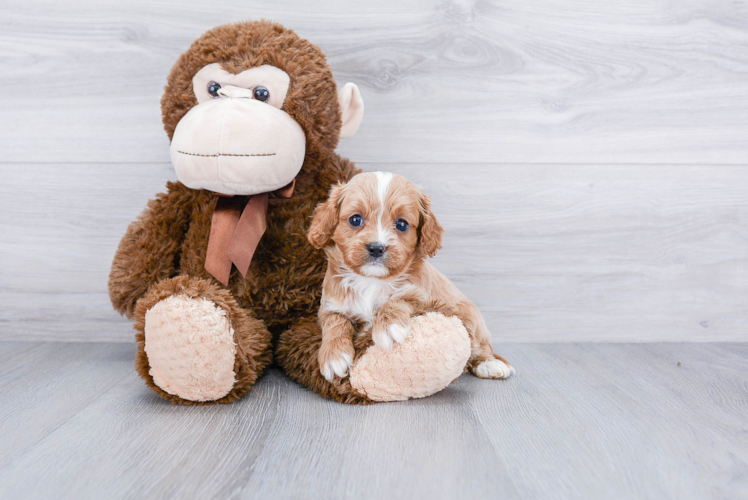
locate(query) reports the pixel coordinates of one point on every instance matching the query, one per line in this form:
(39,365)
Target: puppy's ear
(325,218)
(430,231)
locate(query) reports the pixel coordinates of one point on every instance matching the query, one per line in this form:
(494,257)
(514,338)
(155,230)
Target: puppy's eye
(261,94)
(213,89)
(356,220)
(401,225)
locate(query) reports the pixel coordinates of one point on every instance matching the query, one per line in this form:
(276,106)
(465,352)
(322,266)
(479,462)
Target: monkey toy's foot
(434,354)
(428,360)
(196,345)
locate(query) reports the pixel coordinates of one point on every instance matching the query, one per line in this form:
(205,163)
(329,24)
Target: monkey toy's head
(247,103)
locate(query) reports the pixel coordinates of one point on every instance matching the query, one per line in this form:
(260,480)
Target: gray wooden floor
(597,421)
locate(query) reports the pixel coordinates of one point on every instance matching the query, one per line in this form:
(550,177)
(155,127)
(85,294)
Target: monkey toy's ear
(351,108)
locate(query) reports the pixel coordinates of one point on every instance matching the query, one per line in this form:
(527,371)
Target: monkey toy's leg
(297,352)
(195,344)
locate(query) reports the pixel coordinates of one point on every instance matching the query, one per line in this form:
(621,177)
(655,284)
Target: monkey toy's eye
(213,89)
(401,225)
(356,220)
(261,94)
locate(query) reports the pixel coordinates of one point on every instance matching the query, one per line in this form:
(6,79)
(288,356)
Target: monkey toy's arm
(150,248)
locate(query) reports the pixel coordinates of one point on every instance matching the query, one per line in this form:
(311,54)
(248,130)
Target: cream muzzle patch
(233,143)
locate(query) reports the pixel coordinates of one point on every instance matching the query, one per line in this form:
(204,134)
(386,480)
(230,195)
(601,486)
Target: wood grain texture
(588,159)
(583,421)
(70,376)
(548,252)
(650,81)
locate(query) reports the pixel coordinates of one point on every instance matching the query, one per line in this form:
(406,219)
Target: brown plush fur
(169,240)
(297,353)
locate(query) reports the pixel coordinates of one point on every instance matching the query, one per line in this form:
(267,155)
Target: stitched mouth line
(223,154)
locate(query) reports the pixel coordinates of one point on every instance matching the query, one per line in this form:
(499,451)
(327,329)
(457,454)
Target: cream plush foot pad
(190,348)
(432,356)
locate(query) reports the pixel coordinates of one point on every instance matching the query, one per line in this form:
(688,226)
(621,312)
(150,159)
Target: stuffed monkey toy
(218,264)
(220,261)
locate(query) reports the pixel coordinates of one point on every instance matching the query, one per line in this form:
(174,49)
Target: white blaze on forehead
(383,185)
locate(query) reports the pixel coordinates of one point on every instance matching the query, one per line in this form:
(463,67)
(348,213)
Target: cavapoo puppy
(377,231)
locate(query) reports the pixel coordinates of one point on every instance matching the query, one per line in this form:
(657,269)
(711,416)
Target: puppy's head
(380,223)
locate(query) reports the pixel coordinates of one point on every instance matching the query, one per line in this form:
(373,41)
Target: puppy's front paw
(493,368)
(385,335)
(335,358)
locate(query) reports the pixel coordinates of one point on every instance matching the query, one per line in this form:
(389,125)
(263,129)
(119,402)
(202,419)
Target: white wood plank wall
(588,159)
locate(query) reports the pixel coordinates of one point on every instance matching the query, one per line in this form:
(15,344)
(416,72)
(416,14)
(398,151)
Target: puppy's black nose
(375,249)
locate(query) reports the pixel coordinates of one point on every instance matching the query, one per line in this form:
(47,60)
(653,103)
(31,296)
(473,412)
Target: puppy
(377,231)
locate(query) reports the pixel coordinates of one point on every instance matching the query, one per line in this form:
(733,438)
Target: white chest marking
(365,296)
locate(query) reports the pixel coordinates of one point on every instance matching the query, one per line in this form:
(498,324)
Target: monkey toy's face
(238,140)
(248,124)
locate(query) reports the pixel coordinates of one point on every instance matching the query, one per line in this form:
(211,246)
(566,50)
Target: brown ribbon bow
(236,228)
